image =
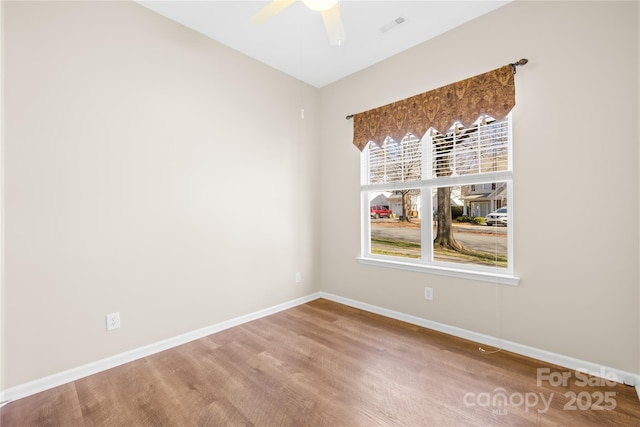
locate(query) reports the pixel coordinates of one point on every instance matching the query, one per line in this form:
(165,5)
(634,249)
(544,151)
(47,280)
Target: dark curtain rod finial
(349,117)
(519,63)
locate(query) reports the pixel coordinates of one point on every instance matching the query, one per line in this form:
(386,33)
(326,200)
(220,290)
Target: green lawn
(400,248)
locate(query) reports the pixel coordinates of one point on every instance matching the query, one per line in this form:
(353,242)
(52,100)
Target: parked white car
(498,217)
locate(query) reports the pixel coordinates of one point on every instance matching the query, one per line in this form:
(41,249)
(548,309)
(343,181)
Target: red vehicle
(380,211)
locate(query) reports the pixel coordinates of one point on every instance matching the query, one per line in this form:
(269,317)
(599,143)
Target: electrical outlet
(428,293)
(113,321)
(298,277)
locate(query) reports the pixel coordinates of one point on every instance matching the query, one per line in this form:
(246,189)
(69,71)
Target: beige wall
(150,171)
(576,180)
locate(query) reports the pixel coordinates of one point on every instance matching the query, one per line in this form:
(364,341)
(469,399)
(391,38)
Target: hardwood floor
(326,364)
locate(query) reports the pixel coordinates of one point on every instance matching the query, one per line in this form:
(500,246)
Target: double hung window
(447,200)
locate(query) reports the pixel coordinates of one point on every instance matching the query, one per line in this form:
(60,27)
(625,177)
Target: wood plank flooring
(326,364)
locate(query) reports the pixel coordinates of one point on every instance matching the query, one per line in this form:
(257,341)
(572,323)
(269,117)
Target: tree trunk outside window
(444,237)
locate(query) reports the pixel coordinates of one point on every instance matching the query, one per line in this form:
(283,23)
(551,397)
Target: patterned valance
(491,93)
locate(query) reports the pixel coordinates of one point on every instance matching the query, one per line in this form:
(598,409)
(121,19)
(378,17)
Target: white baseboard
(595,369)
(42,384)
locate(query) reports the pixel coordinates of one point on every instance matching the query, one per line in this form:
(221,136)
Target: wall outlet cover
(113,321)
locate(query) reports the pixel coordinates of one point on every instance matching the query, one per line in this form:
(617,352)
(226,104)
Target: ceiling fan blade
(333,24)
(270,10)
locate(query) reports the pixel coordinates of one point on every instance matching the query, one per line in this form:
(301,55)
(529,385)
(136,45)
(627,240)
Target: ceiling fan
(330,10)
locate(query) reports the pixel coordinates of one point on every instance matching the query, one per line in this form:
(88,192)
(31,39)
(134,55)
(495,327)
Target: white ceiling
(295,42)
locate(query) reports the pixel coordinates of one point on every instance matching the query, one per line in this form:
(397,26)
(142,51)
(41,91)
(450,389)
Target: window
(440,191)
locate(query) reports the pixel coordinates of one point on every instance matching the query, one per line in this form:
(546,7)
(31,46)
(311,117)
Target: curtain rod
(519,63)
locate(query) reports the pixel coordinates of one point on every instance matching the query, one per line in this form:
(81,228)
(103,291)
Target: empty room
(320,213)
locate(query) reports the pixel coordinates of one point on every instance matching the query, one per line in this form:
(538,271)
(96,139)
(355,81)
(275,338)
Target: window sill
(497,278)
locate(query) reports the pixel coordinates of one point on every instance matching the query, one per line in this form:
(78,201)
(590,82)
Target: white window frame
(426,264)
